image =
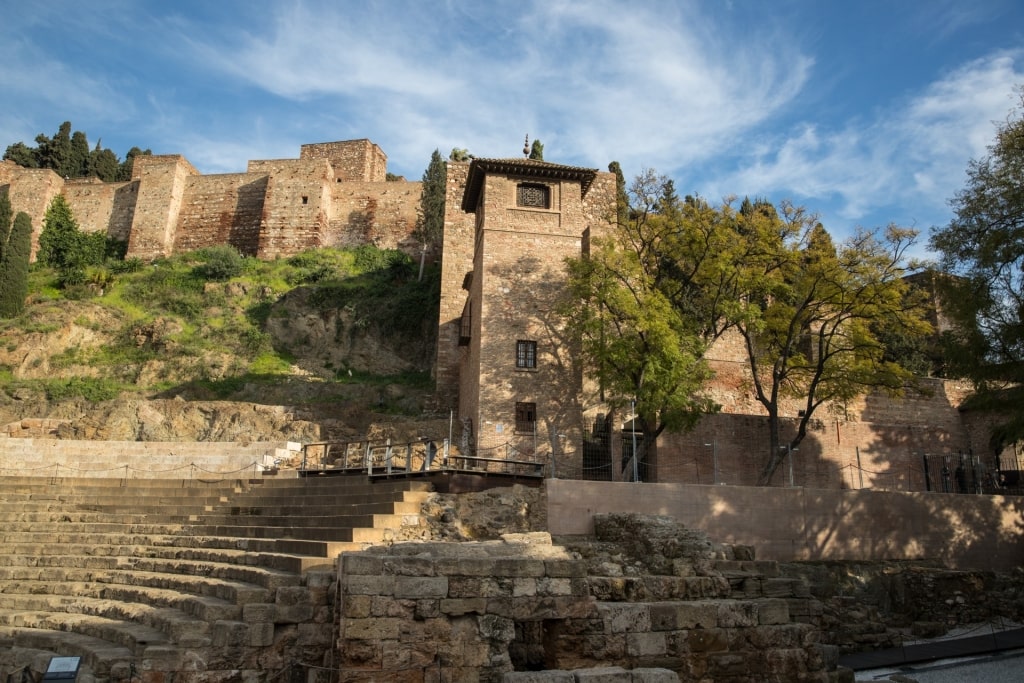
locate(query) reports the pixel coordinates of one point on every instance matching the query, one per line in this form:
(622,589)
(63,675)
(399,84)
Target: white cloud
(914,151)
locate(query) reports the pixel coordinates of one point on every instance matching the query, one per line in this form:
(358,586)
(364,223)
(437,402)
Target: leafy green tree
(58,242)
(803,308)
(103,164)
(77,165)
(982,249)
(459,154)
(808,323)
(430,214)
(14,267)
(22,154)
(646,354)
(537,150)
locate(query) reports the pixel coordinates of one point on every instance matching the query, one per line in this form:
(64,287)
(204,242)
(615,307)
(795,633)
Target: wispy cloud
(911,151)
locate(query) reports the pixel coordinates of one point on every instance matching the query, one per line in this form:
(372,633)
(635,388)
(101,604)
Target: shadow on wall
(983,532)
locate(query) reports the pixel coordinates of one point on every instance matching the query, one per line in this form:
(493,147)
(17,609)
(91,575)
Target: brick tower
(503,360)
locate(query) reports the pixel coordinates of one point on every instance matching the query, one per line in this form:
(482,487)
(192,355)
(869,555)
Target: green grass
(194,311)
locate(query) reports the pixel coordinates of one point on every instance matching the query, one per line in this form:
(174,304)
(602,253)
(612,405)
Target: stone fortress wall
(334,195)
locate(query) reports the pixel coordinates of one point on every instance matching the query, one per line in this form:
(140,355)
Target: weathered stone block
(256,613)
(229,634)
(550,586)
(371,629)
(707,640)
(361,564)
(770,612)
(427,609)
(368,585)
(625,618)
(652,675)
(604,674)
(572,569)
(461,606)
(356,606)
(518,567)
(409,566)
(645,644)
(420,587)
(524,588)
(260,635)
(538,677)
(732,614)
(294,614)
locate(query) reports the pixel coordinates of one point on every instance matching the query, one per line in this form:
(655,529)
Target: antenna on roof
(526,146)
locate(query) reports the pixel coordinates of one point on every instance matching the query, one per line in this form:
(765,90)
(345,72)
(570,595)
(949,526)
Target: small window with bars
(526,354)
(526,417)
(533,196)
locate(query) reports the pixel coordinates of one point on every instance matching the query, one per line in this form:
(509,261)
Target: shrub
(220,263)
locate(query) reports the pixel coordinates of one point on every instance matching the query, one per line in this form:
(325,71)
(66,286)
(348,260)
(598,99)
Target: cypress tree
(5,222)
(430,222)
(14,267)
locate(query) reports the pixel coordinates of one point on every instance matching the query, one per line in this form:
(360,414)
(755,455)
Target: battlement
(277,207)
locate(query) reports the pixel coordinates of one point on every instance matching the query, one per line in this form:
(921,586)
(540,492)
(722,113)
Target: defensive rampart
(334,195)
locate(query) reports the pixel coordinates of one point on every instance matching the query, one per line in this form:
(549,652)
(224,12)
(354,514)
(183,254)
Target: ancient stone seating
(182,580)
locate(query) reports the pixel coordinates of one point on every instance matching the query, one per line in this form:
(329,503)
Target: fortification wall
(352,160)
(162,183)
(377,213)
(295,207)
(31,190)
(221,209)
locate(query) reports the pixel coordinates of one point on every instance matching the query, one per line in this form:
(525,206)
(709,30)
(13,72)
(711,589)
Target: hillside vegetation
(319,332)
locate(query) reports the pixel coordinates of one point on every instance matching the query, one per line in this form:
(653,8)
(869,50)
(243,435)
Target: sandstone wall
(162,188)
(139,459)
(103,207)
(296,205)
(30,190)
(221,209)
(383,214)
(457,264)
(352,160)
(813,524)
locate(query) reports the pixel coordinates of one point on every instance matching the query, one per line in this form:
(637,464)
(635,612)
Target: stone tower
(504,363)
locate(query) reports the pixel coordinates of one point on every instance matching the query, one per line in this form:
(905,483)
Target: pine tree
(14,267)
(58,242)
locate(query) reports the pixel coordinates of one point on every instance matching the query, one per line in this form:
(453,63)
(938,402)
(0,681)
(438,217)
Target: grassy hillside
(214,325)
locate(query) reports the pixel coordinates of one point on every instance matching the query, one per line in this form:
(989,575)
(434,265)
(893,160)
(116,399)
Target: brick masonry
(335,194)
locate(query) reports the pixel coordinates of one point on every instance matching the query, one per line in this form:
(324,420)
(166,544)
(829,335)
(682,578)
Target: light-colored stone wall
(813,524)
(162,186)
(138,459)
(382,214)
(352,160)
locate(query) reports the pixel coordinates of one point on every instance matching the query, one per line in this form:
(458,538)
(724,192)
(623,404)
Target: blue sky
(866,112)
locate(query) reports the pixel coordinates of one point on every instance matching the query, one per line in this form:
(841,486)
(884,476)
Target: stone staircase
(184,580)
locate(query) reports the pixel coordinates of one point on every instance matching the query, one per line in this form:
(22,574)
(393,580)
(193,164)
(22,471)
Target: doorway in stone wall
(535,645)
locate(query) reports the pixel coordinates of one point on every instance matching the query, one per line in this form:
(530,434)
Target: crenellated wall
(335,194)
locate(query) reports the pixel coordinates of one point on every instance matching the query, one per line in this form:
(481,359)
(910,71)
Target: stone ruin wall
(334,195)
(492,611)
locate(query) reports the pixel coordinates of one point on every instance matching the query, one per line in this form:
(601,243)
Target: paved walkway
(991,654)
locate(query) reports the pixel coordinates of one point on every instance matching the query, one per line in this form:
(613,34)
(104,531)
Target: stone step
(232,591)
(338,534)
(181,628)
(132,636)
(315,549)
(297,515)
(259,576)
(204,607)
(99,656)
(297,523)
(290,563)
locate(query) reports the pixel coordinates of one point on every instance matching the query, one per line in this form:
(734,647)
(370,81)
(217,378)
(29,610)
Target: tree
(982,250)
(14,267)
(537,150)
(22,154)
(63,247)
(678,274)
(808,317)
(644,352)
(5,221)
(459,154)
(430,215)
